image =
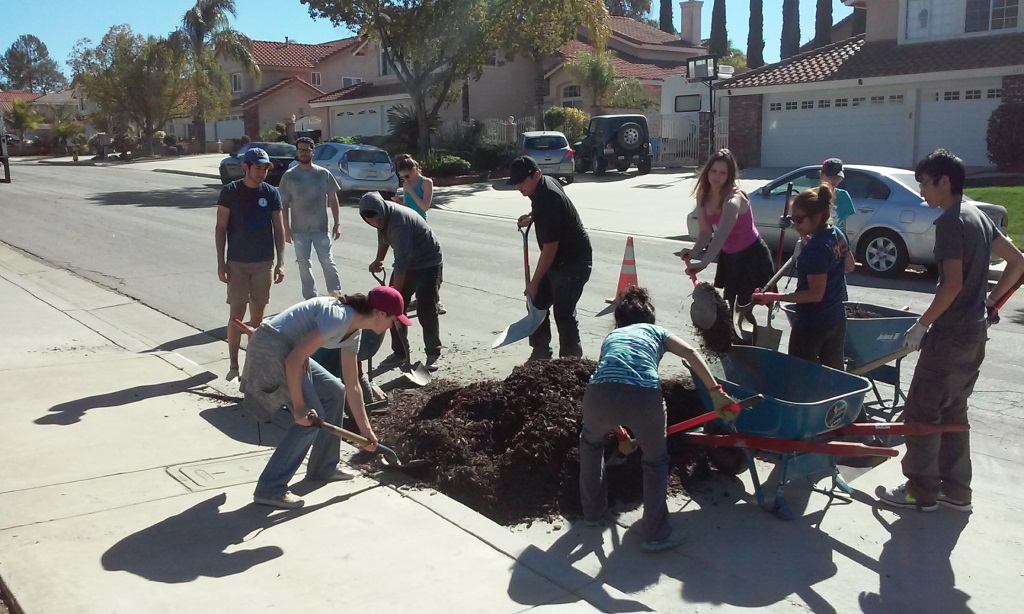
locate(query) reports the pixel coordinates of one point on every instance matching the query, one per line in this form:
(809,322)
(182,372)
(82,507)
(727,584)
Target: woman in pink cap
(278,371)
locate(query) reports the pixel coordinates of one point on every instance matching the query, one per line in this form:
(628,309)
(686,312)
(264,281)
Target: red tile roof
(281,85)
(298,55)
(7,98)
(639,32)
(361,90)
(854,58)
(626,65)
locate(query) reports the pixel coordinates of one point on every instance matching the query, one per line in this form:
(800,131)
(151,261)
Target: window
(236,82)
(368,156)
(995,93)
(951,95)
(385,66)
(824,104)
(572,96)
(494,59)
(81,104)
(807,104)
(841,102)
(972,95)
(325,151)
(802,181)
(862,186)
(878,100)
(546,143)
(350,81)
(688,103)
(857,102)
(896,99)
(985,15)
(775,106)
(314,78)
(791,106)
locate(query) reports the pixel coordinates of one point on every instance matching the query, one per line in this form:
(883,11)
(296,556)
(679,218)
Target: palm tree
(206,34)
(21,118)
(755,35)
(596,75)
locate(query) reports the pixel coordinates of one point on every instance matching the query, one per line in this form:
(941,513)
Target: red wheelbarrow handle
(686,425)
(898,428)
(774,444)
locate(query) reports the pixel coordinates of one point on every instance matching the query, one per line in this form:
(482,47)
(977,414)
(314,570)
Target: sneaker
(605,519)
(286,500)
(343,475)
(899,497)
(232,374)
(413,303)
(954,504)
(539,355)
(433,362)
(393,359)
(441,309)
(674,539)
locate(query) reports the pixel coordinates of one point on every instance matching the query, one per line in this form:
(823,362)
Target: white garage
(358,120)
(860,126)
(225,128)
(955,117)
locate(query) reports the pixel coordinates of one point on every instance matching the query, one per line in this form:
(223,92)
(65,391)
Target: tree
(665,17)
(822,24)
(536,29)
(596,75)
(755,35)
(635,9)
(429,52)
(135,80)
(64,127)
(205,34)
(735,58)
(790,44)
(27,66)
(21,118)
(719,43)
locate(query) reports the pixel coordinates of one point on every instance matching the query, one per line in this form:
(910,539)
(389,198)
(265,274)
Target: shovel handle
(245,328)
(693,276)
(526,250)
(704,418)
(782,232)
(337,431)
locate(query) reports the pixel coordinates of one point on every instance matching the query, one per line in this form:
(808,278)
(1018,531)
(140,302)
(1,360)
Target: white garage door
(866,128)
(356,121)
(956,118)
(225,128)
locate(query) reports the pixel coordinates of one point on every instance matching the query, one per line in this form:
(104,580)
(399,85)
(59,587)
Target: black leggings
(820,344)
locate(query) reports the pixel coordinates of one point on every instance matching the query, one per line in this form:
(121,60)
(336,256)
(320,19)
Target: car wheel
(631,135)
(643,167)
(568,179)
(224,179)
(884,253)
(598,165)
(579,164)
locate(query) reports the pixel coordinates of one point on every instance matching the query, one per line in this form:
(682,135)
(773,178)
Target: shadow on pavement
(444,195)
(71,412)
(182,198)
(202,338)
(193,544)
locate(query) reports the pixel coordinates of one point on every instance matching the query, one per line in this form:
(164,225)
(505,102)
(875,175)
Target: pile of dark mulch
(853,311)
(510,449)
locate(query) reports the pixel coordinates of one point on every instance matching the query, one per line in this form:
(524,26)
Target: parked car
(11,138)
(281,155)
(551,151)
(616,141)
(358,168)
(891,229)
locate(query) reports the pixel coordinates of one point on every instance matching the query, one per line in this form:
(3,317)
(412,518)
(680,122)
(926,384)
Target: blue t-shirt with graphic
(824,254)
(630,355)
(251,224)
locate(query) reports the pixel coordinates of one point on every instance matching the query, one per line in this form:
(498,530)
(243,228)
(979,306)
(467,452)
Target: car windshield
(279,150)
(546,142)
(368,155)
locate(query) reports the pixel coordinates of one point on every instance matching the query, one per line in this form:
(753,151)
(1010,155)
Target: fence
(492,129)
(721,133)
(675,140)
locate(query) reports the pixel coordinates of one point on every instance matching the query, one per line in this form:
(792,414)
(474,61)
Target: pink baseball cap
(390,301)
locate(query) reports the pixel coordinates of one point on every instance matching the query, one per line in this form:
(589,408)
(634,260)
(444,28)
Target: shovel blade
(417,374)
(522,329)
(766,336)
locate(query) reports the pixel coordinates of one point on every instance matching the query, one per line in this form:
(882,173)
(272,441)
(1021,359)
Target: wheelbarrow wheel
(727,461)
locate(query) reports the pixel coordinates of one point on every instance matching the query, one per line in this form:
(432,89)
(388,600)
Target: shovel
(767,336)
(416,374)
(388,456)
(522,329)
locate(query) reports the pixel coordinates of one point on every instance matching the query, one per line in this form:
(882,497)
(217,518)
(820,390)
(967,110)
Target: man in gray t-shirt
(306,191)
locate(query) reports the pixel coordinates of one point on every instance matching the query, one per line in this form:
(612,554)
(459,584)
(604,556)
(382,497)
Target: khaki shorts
(249,282)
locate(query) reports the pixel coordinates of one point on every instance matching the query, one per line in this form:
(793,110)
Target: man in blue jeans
(565,262)
(307,190)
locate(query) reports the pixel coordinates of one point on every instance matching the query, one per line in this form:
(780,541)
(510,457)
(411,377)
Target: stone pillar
(1013,88)
(289,130)
(745,124)
(251,122)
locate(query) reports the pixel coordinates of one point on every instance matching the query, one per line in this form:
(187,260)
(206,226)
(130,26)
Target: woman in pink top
(727,232)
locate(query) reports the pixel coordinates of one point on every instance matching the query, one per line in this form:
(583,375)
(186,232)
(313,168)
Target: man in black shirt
(563,268)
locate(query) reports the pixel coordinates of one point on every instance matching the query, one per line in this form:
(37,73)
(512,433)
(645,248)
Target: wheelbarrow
(807,408)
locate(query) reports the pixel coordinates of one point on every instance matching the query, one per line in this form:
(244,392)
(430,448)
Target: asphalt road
(150,236)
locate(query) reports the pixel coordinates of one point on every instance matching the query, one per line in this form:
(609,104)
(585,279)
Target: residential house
(925,74)
(8,97)
(70,102)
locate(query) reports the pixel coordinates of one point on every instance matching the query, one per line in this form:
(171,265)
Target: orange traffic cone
(627,275)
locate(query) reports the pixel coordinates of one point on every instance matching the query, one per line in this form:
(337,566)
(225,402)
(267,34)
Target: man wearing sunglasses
(306,191)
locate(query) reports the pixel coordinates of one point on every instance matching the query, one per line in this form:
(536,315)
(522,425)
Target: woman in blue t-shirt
(278,371)
(626,390)
(819,325)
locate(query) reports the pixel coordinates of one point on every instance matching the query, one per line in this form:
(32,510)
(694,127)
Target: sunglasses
(304,151)
(797,219)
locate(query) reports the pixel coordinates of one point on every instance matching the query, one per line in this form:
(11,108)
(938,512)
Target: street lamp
(704,68)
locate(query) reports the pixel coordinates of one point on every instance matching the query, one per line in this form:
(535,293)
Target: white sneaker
(343,475)
(286,500)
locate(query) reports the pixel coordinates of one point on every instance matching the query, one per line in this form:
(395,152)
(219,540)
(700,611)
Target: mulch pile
(510,449)
(852,311)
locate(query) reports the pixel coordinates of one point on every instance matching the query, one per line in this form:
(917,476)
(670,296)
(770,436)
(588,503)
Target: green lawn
(1013,199)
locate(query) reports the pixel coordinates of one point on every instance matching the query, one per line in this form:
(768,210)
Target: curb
(79,163)
(171,171)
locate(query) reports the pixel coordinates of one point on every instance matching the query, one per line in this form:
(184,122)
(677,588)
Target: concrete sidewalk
(128,487)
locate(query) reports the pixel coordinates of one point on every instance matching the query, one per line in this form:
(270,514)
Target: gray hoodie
(407,233)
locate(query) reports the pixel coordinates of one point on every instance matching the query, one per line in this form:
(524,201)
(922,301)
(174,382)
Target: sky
(61,23)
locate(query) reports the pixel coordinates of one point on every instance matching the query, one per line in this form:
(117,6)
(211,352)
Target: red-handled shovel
(738,406)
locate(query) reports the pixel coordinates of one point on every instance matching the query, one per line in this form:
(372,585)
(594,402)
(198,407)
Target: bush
(494,157)
(1005,138)
(568,120)
(554,118)
(347,140)
(158,138)
(170,139)
(435,165)
(124,143)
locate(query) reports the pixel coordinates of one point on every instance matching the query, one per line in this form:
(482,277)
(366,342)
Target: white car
(358,168)
(892,228)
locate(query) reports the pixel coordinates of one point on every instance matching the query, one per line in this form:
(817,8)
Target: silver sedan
(892,228)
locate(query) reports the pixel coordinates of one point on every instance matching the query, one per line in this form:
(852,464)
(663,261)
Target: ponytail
(359,302)
(816,202)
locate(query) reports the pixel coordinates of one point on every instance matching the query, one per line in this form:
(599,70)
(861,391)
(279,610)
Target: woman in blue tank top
(418,191)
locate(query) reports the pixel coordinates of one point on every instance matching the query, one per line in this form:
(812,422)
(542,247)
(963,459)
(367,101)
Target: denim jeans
(606,406)
(305,243)
(424,284)
(326,394)
(560,290)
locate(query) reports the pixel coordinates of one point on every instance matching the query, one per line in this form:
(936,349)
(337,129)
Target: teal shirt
(844,208)
(630,355)
(409,202)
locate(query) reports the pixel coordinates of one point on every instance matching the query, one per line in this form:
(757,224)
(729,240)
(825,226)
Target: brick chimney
(689,27)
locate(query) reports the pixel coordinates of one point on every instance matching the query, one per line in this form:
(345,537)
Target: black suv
(617,141)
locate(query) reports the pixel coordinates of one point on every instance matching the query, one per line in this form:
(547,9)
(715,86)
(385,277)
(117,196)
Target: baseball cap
(255,155)
(833,167)
(521,168)
(390,301)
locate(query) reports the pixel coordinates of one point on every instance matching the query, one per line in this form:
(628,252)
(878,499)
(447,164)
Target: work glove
(627,445)
(764,298)
(785,221)
(991,313)
(912,339)
(725,406)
